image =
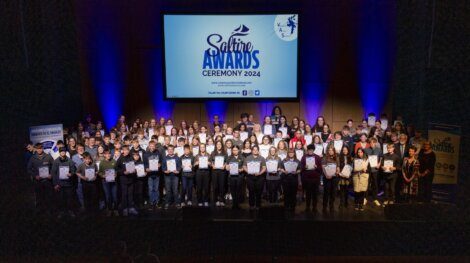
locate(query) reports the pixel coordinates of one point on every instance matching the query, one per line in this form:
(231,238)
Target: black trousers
(425,188)
(218,184)
(66,198)
(390,183)
(90,196)
(236,184)
(343,195)
(329,191)
(373,185)
(273,189)
(255,188)
(202,184)
(127,192)
(44,195)
(399,187)
(311,192)
(290,183)
(139,187)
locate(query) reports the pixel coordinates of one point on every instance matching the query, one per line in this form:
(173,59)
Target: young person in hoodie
(273,177)
(218,157)
(87,172)
(39,168)
(63,170)
(311,165)
(78,160)
(202,163)
(127,180)
(290,180)
(235,175)
(107,173)
(171,177)
(187,176)
(140,181)
(152,161)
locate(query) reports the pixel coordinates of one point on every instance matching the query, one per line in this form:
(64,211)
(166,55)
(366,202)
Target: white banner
(48,135)
(445,141)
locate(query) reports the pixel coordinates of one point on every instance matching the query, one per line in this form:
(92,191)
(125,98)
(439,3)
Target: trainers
(377,203)
(166,206)
(189,203)
(125,212)
(206,204)
(217,203)
(365,201)
(133,211)
(230,197)
(199,204)
(390,203)
(361,208)
(71,214)
(182,204)
(178,206)
(222,204)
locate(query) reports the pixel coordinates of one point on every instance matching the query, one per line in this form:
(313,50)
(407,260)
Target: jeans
(80,193)
(127,192)
(90,196)
(187,193)
(390,182)
(44,193)
(171,186)
(202,184)
(255,187)
(110,193)
(140,185)
(66,197)
(154,193)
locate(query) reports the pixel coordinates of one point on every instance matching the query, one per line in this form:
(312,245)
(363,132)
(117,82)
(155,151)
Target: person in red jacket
(311,165)
(297,137)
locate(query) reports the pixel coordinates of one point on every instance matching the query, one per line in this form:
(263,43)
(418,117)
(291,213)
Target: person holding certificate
(360,178)
(389,165)
(39,167)
(171,167)
(255,167)
(297,138)
(87,172)
(62,171)
(268,128)
(290,169)
(345,167)
(235,169)
(202,176)
(311,165)
(125,168)
(140,180)
(187,176)
(218,159)
(273,175)
(330,178)
(152,162)
(107,173)
(374,153)
(362,143)
(283,127)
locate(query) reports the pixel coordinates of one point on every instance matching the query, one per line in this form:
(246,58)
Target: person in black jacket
(39,168)
(187,176)
(390,165)
(152,156)
(63,170)
(235,175)
(171,177)
(125,168)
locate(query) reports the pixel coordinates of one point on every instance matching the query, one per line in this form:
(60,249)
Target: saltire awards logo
(232,57)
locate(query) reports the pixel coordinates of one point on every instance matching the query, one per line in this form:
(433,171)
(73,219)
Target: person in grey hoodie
(39,168)
(63,169)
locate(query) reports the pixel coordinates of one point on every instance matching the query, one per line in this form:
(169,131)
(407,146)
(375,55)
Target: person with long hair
(234,167)
(291,181)
(273,176)
(360,178)
(202,163)
(345,160)
(410,173)
(218,159)
(255,168)
(330,178)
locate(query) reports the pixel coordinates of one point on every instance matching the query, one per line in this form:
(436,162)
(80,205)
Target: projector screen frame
(235,99)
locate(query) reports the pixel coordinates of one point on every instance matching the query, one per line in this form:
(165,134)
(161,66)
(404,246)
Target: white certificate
(219,162)
(271,166)
(371,121)
(161,139)
(373,159)
(384,124)
(259,137)
(308,139)
(299,154)
(179,151)
(186,163)
(90,173)
(346,172)
(284,131)
(228,137)
(264,150)
(325,146)
(358,165)
(140,170)
(385,150)
(338,144)
(290,167)
(171,165)
(329,170)
(282,155)
(229,151)
(168,129)
(253,167)
(109,175)
(63,172)
(233,168)
(243,136)
(153,164)
(318,150)
(388,164)
(202,137)
(195,151)
(310,163)
(98,164)
(276,141)
(210,148)
(44,172)
(268,129)
(203,162)
(130,167)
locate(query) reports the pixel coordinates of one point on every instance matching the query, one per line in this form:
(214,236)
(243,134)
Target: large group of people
(148,165)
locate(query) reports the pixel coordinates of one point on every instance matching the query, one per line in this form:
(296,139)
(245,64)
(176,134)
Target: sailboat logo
(242,30)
